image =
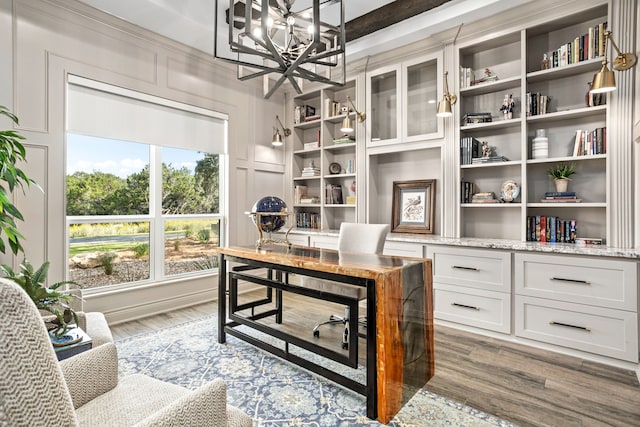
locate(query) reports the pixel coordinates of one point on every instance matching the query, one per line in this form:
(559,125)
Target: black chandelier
(299,40)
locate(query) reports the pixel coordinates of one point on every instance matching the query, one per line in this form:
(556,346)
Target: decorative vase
(562,184)
(540,147)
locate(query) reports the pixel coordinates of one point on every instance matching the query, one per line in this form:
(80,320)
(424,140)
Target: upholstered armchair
(37,390)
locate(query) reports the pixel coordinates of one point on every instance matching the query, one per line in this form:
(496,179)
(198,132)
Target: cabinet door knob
(465,306)
(562,279)
(460,267)
(568,325)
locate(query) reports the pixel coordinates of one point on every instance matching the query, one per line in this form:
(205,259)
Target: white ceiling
(191,21)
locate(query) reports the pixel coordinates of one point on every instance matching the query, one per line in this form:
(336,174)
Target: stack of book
(487,197)
(560,197)
(473,118)
(311,170)
(551,229)
(491,159)
(345,139)
(309,200)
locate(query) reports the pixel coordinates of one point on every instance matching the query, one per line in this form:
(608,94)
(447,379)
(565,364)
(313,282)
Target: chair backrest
(362,238)
(32,388)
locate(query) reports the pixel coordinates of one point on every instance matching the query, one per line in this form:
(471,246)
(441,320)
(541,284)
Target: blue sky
(121,158)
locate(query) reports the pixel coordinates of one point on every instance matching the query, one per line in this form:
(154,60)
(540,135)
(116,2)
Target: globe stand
(262,240)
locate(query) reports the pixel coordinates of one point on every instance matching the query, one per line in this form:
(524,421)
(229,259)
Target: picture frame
(413,206)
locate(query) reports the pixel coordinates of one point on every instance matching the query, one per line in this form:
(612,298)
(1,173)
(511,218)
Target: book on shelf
(589,143)
(589,241)
(490,159)
(559,193)
(551,229)
(302,112)
(309,200)
(466,191)
(561,200)
(469,149)
(308,220)
(312,118)
(345,139)
(474,118)
(536,104)
(300,191)
(333,194)
(484,197)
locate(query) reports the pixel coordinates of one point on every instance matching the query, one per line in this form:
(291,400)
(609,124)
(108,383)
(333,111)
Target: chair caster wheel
(345,346)
(316,334)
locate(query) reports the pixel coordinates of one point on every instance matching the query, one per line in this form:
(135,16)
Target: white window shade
(101,110)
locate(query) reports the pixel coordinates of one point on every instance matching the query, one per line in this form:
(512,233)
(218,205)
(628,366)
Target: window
(139,211)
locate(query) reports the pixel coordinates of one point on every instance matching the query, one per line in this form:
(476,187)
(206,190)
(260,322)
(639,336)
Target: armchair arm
(91,373)
(206,407)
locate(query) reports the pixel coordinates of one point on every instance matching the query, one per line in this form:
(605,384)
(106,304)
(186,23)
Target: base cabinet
(603,331)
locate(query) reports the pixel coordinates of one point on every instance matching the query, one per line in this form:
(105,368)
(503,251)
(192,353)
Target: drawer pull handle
(567,325)
(465,306)
(459,267)
(562,279)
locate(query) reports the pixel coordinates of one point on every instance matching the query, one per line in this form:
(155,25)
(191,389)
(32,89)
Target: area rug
(272,391)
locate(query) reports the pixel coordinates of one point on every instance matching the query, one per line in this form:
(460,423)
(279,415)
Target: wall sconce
(605,80)
(347,124)
(276,141)
(449,99)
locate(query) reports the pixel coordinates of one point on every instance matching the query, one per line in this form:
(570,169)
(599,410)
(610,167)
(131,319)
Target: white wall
(42,43)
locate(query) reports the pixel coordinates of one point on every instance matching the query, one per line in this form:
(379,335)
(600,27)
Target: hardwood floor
(522,384)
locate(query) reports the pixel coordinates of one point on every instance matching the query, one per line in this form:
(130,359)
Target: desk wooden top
(326,260)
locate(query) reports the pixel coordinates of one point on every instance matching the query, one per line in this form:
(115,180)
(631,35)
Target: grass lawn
(81,248)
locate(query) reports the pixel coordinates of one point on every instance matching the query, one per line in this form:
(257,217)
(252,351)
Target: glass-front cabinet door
(402,101)
(422,90)
(383,106)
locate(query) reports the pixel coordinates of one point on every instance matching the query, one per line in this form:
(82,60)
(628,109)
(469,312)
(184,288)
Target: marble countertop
(504,244)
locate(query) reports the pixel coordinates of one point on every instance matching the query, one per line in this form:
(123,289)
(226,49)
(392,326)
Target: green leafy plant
(106,261)
(203,235)
(206,263)
(561,171)
(47,298)
(141,249)
(11,152)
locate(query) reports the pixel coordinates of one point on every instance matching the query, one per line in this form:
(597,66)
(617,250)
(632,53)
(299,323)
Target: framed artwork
(413,206)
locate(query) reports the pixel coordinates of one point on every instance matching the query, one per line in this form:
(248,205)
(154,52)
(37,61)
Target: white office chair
(353,238)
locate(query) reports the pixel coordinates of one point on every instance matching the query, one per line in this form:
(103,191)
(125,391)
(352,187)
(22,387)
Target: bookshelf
(516,59)
(324,197)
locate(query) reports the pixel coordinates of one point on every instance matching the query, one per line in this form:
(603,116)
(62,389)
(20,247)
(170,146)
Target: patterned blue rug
(272,391)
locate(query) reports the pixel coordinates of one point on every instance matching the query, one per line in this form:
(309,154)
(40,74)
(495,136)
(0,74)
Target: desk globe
(269,214)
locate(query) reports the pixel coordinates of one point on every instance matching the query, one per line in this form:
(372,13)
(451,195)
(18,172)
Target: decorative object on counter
(276,141)
(335,168)
(296,40)
(507,106)
(540,146)
(448,99)
(269,214)
(604,80)
(560,174)
(347,124)
(509,191)
(413,206)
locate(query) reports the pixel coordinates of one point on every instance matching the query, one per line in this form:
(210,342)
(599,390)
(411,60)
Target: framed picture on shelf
(413,206)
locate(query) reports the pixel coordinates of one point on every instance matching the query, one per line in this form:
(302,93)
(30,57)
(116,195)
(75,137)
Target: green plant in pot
(47,298)
(560,174)
(11,152)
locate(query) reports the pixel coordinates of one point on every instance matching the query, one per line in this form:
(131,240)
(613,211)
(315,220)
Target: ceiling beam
(387,15)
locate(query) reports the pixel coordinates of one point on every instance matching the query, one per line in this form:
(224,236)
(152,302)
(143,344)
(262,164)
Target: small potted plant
(45,298)
(560,174)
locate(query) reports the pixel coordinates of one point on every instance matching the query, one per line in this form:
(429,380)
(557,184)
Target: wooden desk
(400,357)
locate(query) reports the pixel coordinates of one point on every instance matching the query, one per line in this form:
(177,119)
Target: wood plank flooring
(522,384)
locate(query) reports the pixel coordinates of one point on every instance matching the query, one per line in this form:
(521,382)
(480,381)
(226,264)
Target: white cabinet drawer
(481,309)
(404,249)
(585,280)
(324,242)
(477,268)
(604,331)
